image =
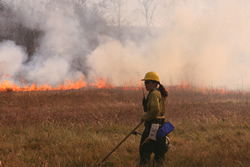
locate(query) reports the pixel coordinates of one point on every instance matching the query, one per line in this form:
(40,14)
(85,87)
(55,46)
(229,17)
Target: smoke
(117,62)
(64,42)
(9,52)
(212,40)
(61,44)
(205,43)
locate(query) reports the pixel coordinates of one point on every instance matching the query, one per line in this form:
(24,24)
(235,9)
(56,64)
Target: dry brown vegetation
(80,127)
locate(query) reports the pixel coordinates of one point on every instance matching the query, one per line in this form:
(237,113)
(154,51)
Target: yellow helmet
(152,76)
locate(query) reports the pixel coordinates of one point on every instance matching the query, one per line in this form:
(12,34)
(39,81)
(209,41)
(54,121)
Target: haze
(205,43)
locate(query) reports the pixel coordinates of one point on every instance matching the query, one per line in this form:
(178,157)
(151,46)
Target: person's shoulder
(156,92)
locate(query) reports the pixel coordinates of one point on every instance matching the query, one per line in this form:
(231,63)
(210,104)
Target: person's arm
(153,107)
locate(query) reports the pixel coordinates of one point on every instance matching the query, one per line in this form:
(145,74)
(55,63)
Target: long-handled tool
(120,143)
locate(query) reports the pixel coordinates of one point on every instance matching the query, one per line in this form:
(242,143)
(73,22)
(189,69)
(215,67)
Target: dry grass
(80,127)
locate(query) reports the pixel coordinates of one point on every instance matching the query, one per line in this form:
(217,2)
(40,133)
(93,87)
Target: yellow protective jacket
(155,106)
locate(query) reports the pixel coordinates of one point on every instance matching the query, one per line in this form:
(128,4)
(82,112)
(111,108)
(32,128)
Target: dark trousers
(156,147)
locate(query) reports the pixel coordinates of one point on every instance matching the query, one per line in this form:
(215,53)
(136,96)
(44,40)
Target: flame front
(7,85)
(100,83)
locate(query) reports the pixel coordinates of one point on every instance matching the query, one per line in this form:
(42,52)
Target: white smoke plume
(12,57)
(63,45)
(205,43)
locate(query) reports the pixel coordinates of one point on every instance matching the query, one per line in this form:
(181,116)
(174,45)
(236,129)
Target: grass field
(80,127)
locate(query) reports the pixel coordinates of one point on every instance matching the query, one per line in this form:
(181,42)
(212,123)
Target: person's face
(149,85)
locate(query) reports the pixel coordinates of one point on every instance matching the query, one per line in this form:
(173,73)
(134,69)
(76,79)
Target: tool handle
(120,143)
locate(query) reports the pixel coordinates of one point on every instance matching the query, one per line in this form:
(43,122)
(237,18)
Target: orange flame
(6,85)
(99,83)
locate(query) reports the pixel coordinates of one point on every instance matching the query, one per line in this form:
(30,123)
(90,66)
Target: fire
(100,83)
(7,85)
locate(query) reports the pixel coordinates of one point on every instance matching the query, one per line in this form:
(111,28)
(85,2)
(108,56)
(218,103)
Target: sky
(205,43)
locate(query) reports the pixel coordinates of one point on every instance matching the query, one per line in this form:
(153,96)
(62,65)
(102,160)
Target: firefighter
(154,108)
